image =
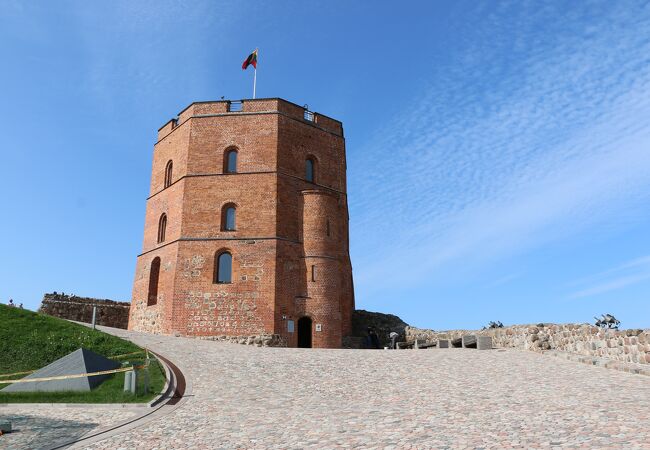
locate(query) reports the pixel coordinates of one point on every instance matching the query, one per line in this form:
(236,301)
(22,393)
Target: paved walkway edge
(167,388)
(605,363)
(39,406)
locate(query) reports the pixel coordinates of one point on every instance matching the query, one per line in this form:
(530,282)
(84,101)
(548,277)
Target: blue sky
(498,152)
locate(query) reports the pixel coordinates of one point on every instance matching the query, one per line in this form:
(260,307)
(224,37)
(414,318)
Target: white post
(94,315)
(134,382)
(146,380)
(127,381)
(254,82)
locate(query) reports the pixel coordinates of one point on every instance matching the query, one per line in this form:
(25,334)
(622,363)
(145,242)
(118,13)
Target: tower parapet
(260,105)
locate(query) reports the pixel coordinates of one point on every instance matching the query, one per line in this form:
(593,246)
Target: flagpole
(255,75)
(254,82)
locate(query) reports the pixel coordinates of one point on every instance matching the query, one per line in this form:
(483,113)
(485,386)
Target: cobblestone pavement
(48,426)
(249,397)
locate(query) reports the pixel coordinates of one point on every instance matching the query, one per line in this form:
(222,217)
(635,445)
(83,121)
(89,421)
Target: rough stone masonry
(630,346)
(109,313)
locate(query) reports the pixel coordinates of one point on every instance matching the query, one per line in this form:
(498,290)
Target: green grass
(29,341)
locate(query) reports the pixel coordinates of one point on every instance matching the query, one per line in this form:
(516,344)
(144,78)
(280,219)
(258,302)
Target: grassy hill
(29,341)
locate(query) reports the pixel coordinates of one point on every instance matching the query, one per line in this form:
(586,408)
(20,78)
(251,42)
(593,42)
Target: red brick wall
(243,307)
(280,231)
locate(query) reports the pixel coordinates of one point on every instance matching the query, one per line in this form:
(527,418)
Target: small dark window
(309,170)
(154,275)
(223,268)
(162,225)
(228,215)
(235,106)
(231,161)
(327,227)
(168,174)
(313,273)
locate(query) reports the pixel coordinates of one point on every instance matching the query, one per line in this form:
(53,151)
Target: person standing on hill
(374,339)
(393,340)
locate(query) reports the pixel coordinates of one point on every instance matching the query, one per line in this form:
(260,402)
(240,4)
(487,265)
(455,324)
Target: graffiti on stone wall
(251,270)
(221,311)
(193,266)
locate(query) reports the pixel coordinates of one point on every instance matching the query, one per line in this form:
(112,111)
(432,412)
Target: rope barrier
(144,350)
(16,373)
(79,375)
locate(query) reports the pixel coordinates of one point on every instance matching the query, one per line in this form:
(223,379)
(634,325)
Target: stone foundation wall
(263,340)
(109,313)
(632,346)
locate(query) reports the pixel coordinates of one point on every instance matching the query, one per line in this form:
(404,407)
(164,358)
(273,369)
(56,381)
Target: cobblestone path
(248,397)
(48,426)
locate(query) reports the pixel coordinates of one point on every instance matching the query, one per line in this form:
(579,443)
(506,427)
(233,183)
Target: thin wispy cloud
(127,46)
(640,263)
(554,144)
(611,285)
(502,280)
(626,274)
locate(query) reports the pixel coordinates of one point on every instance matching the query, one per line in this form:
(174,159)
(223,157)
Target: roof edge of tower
(252,106)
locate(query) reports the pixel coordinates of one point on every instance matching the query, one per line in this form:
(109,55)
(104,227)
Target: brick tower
(246,228)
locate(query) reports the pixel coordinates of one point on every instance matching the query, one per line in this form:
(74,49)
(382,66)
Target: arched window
(168,173)
(162,225)
(154,275)
(223,268)
(327,227)
(230,162)
(310,169)
(228,217)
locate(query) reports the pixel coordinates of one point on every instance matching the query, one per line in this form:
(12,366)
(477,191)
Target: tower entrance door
(304,332)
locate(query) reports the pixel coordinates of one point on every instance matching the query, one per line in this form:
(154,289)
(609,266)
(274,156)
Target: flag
(252,59)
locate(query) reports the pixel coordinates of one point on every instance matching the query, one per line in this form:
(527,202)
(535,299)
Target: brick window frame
(168,173)
(224,217)
(162,228)
(154,278)
(311,169)
(218,261)
(228,152)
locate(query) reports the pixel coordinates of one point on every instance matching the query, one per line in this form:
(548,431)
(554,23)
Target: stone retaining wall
(632,346)
(109,313)
(263,340)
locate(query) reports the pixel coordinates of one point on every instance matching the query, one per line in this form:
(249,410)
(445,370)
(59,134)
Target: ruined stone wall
(383,324)
(631,346)
(109,313)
